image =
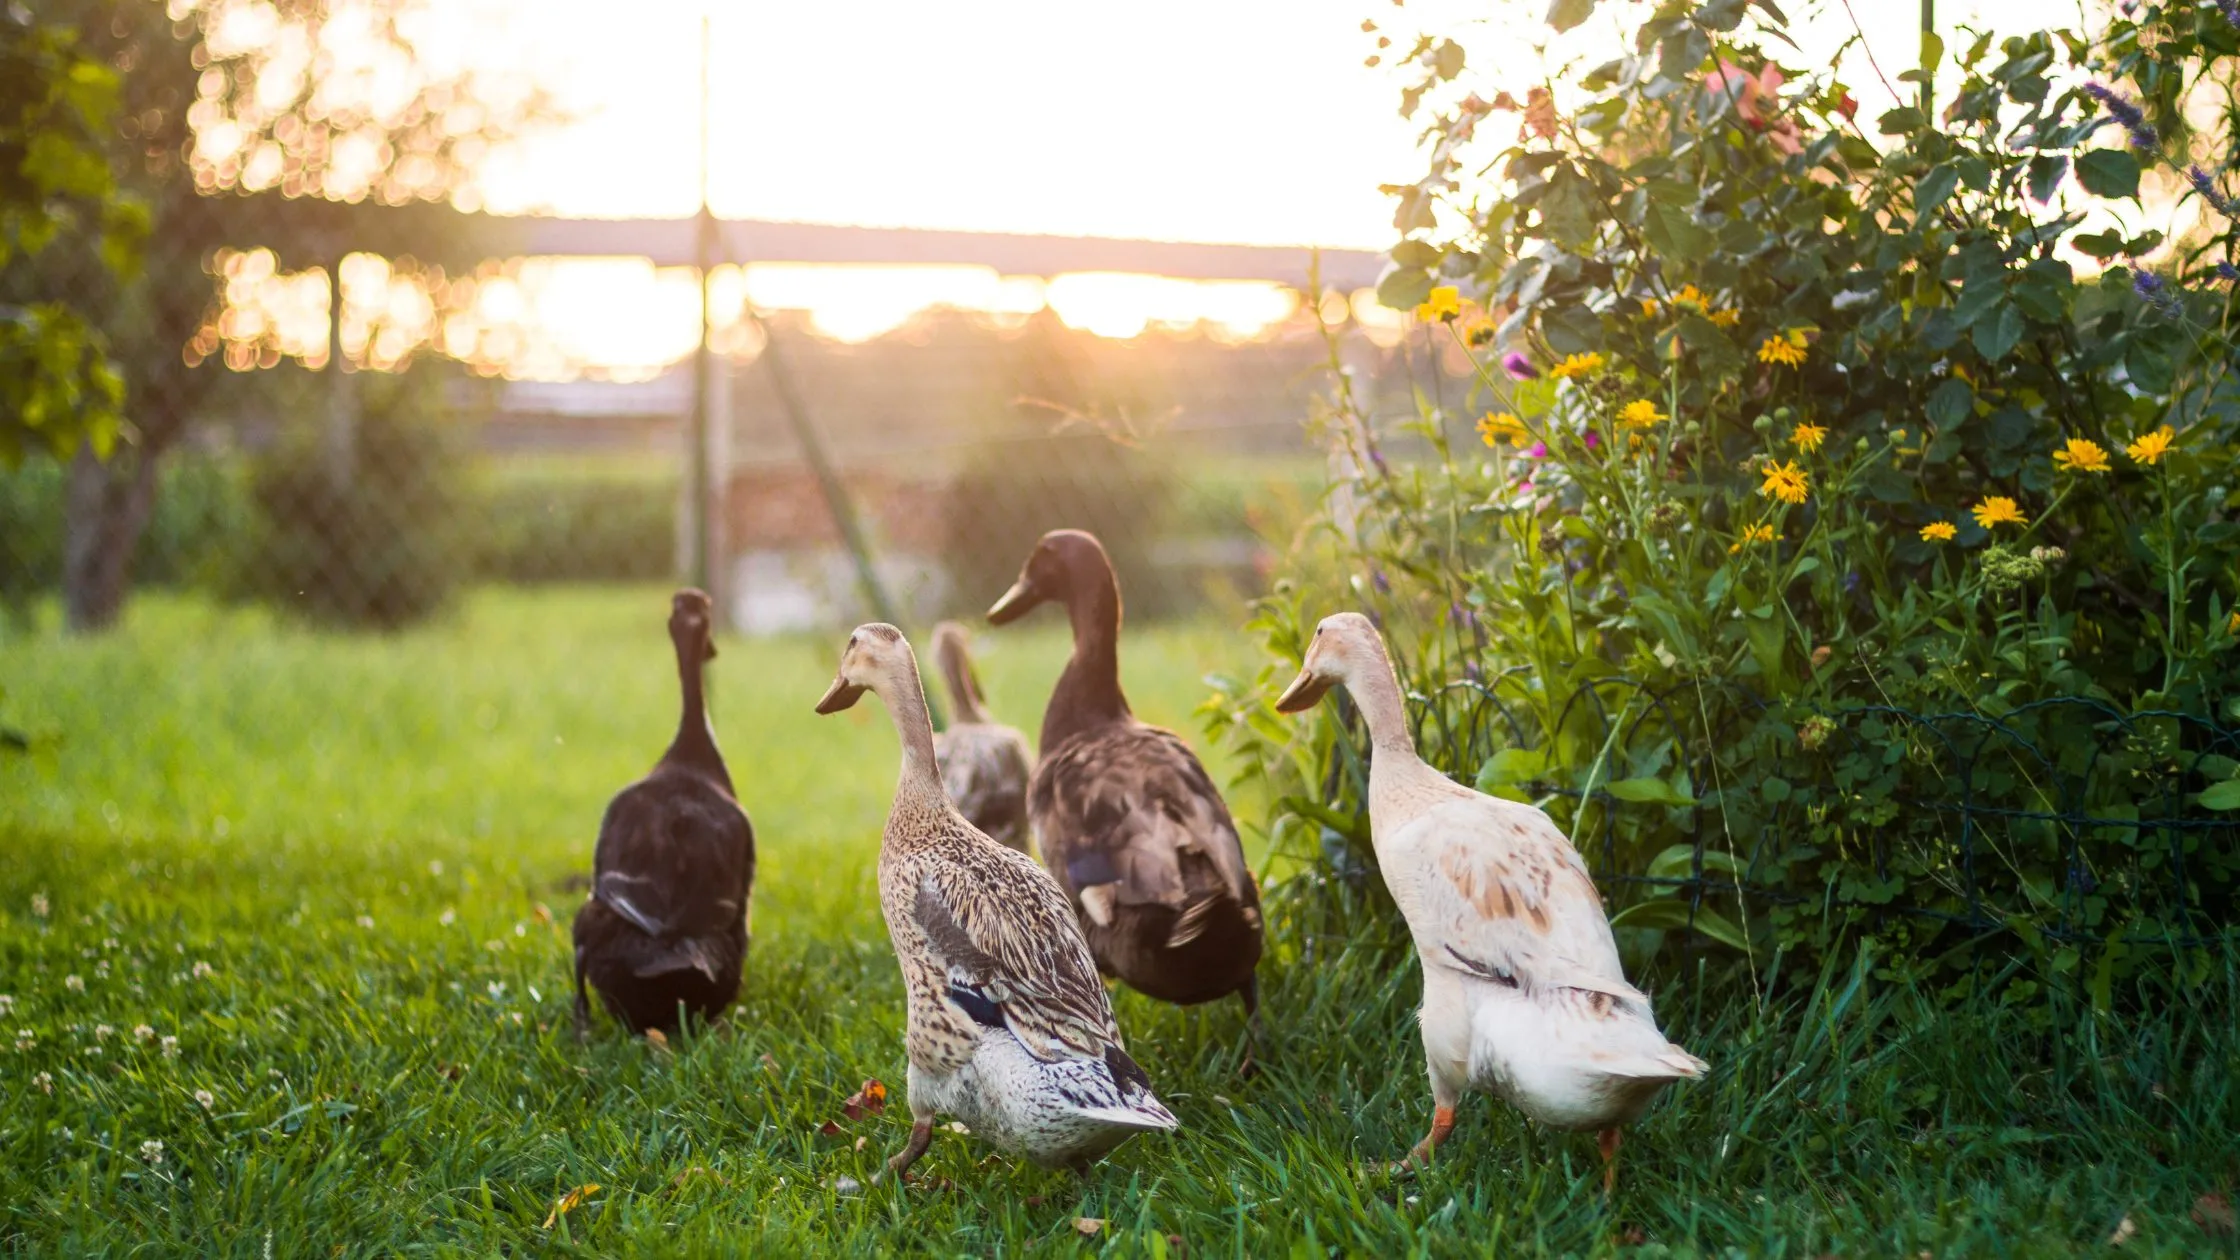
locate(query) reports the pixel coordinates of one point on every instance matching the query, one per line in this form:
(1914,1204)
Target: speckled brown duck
(1129,823)
(985,765)
(664,931)
(1007,1027)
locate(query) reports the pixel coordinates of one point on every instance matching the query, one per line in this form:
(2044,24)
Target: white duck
(1007,1026)
(1523,995)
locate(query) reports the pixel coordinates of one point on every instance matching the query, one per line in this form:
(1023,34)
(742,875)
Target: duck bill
(841,695)
(1016,603)
(1303,692)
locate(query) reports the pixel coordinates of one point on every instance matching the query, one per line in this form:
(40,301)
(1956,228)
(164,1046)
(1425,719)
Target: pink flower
(1593,439)
(1539,450)
(1520,368)
(1524,487)
(1756,99)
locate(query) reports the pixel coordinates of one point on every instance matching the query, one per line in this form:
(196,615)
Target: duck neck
(920,783)
(964,691)
(1377,694)
(1088,692)
(695,744)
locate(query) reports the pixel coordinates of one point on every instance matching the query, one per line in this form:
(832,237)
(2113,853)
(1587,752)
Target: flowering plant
(1786,421)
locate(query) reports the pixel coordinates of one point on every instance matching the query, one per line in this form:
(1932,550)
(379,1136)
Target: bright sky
(1251,121)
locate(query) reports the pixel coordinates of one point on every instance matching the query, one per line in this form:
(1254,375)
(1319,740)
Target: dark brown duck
(1130,825)
(664,931)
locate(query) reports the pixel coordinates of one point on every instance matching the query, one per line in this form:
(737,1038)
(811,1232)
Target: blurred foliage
(1010,493)
(380,547)
(1791,432)
(57,385)
(585,525)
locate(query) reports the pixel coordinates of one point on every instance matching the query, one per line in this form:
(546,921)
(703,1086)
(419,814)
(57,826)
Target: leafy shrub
(380,547)
(999,503)
(201,525)
(575,526)
(1791,433)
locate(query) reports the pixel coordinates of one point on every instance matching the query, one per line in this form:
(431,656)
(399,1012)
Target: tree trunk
(106,509)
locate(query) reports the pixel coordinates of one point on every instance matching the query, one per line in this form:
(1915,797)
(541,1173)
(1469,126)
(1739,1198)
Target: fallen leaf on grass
(957,1126)
(830,1128)
(450,1071)
(862,1142)
(1176,1247)
(2213,1213)
(1087,1226)
(569,1202)
(1035,1200)
(870,1100)
(658,1039)
(544,914)
(2124,1230)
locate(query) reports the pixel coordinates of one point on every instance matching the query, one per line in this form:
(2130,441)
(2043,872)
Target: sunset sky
(1247,121)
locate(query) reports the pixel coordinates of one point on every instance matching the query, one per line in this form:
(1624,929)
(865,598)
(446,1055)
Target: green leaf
(1565,14)
(1415,253)
(1997,336)
(1902,120)
(1648,791)
(1669,914)
(2109,173)
(2046,170)
(1512,765)
(1934,188)
(1679,862)
(1932,50)
(1404,288)
(1950,402)
(2225,795)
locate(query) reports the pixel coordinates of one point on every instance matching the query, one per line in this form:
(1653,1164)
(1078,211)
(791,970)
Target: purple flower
(1377,457)
(2227,272)
(1593,439)
(2206,184)
(1538,450)
(2231,11)
(2147,285)
(2120,108)
(1520,368)
(1380,581)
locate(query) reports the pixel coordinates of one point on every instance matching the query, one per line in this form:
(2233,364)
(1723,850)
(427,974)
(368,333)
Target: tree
(289,123)
(57,385)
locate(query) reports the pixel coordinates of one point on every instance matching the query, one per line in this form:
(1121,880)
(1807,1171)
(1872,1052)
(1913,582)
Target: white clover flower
(206,1098)
(170,1047)
(45,1082)
(75,984)
(435,867)
(93,1051)
(142,1033)
(365,920)
(152,1151)
(7,1006)
(25,1039)
(447,918)
(203,971)
(497,989)
(39,904)
(102,1032)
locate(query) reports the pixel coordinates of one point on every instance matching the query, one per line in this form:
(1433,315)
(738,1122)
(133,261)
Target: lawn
(329,877)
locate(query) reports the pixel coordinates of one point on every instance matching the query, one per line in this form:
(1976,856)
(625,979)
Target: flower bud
(1763,424)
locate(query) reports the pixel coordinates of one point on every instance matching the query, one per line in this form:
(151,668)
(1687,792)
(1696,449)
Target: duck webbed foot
(1442,1124)
(921,1137)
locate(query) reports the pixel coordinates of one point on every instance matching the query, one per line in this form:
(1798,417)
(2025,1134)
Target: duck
(1007,1026)
(1129,823)
(1523,993)
(663,933)
(985,765)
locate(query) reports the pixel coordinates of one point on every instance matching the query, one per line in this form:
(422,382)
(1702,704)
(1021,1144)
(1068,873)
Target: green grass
(362,838)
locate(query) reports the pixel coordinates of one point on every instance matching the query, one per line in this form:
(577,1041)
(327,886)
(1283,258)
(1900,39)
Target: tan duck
(1128,822)
(1007,1026)
(1523,995)
(984,764)
(665,928)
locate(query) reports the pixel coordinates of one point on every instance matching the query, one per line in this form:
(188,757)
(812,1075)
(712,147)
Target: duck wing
(1492,889)
(1012,950)
(675,858)
(1128,816)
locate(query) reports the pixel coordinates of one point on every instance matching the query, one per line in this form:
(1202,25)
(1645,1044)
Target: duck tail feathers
(1669,1064)
(1144,1114)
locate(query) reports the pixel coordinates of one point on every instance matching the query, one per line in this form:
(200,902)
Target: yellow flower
(1938,531)
(2081,455)
(1495,425)
(1808,437)
(1786,482)
(1786,350)
(2232,623)
(1479,332)
(2151,447)
(1640,413)
(1998,510)
(1576,365)
(1445,303)
(1691,296)
(1648,307)
(1727,318)
(1753,536)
